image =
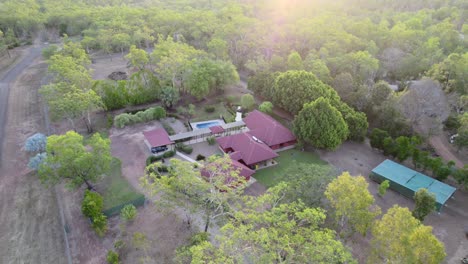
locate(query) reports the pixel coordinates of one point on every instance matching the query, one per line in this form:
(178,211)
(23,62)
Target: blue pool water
(208,124)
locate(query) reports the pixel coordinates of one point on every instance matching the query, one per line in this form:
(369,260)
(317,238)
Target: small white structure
(238,114)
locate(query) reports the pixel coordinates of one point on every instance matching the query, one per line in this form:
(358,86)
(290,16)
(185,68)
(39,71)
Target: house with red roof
(246,149)
(157,140)
(257,146)
(269,131)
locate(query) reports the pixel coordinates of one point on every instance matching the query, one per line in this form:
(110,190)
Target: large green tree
(172,58)
(321,124)
(293,89)
(425,203)
(308,182)
(69,102)
(452,73)
(295,61)
(138,57)
(212,190)
(206,75)
(400,238)
(265,230)
(352,202)
(73,159)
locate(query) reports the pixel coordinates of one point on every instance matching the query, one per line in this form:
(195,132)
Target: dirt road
(6,81)
(441,147)
(30,229)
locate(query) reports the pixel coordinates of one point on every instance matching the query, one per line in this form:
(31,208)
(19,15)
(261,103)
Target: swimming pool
(207,124)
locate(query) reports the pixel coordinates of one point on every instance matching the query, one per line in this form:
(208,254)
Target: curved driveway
(7,80)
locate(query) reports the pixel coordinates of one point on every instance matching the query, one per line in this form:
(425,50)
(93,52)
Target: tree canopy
(400,238)
(73,159)
(267,231)
(321,124)
(352,202)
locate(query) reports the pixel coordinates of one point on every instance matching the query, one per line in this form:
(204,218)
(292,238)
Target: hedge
(184,148)
(210,108)
(153,113)
(168,128)
(151,159)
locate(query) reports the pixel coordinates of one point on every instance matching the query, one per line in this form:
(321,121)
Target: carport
(157,140)
(407,181)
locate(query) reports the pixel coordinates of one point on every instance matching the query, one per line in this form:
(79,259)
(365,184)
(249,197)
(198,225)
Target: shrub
(168,128)
(114,95)
(122,120)
(247,101)
(211,140)
(100,224)
(168,154)
(128,213)
(152,159)
(452,123)
(266,107)
(37,160)
(191,110)
(92,204)
(389,147)
(184,148)
(199,238)
(119,244)
(181,110)
(230,99)
(149,114)
(163,168)
(91,207)
(210,108)
(158,112)
(141,116)
(36,143)
(377,137)
(49,51)
(200,157)
(110,121)
(112,257)
(383,187)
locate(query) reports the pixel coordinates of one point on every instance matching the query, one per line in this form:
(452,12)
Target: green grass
(273,175)
(202,115)
(117,189)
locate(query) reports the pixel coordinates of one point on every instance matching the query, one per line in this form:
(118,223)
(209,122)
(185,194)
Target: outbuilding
(157,140)
(407,181)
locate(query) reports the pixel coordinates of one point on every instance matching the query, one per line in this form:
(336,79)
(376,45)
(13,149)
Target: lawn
(202,115)
(273,175)
(117,189)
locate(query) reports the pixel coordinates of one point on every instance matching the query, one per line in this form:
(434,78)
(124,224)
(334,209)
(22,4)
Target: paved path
(7,80)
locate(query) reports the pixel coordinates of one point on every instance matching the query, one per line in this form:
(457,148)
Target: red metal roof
(243,170)
(267,129)
(216,129)
(250,150)
(157,137)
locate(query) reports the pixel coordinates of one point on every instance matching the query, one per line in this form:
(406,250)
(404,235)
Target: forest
(356,47)
(393,71)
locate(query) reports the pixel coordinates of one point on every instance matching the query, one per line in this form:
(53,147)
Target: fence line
(65,228)
(116,209)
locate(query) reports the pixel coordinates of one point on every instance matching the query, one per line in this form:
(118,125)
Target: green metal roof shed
(407,181)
